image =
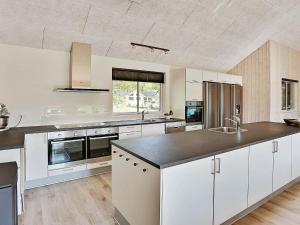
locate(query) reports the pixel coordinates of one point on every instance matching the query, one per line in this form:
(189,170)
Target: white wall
(28,77)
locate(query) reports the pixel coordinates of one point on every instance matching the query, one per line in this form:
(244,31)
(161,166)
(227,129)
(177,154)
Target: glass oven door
(66,151)
(100,146)
(194,114)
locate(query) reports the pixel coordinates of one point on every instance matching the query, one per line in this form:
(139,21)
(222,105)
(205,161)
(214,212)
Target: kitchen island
(202,177)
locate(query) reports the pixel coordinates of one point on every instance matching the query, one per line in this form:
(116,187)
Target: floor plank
(88,202)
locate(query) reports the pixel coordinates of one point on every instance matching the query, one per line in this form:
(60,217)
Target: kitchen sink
(226,130)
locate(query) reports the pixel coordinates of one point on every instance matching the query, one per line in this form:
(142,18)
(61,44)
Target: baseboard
(260,203)
(119,218)
(66,177)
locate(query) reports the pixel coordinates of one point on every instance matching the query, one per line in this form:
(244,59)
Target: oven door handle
(104,137)
(67,141)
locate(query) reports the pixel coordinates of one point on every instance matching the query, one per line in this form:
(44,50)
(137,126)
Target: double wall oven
(69,148)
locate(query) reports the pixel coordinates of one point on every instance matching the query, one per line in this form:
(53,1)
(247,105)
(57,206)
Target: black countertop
(14,137)
(177,148)
(9,174)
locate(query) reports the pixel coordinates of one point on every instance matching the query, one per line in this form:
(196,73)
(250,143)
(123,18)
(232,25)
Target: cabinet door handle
(218,165)
(276,146)
(212,166)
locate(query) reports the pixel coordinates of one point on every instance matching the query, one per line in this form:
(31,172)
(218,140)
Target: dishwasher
(175,127)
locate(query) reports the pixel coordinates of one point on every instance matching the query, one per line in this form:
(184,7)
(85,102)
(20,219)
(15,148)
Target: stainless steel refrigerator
(221,101)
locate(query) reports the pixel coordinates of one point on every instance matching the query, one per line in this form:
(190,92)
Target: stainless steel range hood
(80,70)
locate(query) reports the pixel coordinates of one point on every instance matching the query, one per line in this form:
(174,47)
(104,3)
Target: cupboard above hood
(80,70)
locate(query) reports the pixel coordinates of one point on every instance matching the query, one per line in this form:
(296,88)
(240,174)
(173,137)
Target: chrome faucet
(237,121)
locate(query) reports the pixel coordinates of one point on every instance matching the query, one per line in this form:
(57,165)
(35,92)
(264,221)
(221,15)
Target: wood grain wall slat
(255,70)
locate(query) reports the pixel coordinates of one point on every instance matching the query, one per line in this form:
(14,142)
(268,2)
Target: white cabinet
(282,162)
(36,156)
(193,76)
(225,78)
(236,80)
(260,171)
(187,190)
(153,129)
(136,189)
(194,127)
(193,91)
(210,76)
(128,132)
(296,156)
(231,184)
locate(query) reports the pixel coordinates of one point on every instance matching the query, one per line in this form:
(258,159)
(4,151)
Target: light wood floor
(88,202)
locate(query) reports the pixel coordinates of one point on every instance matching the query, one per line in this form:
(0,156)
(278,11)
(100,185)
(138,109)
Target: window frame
(161,103)
(292,86)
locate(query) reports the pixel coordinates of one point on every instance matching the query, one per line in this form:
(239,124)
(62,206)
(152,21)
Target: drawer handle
(114,151)
(127,159)
(144,170)
(135,164)
(120,155)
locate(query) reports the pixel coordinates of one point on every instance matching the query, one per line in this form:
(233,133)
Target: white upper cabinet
(260,171)
(187,190)
(225,78)
(193,92)
(236,79)
(231,184)
(210,76)
(282,162)
(153,129)
(229,79)
(36,155)
(193,76)
(296,155)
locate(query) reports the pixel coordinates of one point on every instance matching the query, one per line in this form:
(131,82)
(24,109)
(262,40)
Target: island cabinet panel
(187,193)
(282,172)
(231,184)
(260,171)
(296,156)
(136,189)
(153,129)
(36,156)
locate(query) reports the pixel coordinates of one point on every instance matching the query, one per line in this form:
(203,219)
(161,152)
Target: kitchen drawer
(10,155)
(66,134)
(66,170)
(101,131)
(129,135)
(126,129)
(98,165)
(194,127)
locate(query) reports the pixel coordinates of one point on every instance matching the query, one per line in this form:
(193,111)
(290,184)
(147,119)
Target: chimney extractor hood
(80,70)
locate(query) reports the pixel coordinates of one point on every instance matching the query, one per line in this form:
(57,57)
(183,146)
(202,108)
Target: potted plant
(4,116)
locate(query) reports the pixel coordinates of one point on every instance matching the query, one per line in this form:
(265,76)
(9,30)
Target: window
(289,94)
(135,91)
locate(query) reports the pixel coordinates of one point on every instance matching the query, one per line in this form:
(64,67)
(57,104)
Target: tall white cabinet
(193,85)
(185,188)
(231,184)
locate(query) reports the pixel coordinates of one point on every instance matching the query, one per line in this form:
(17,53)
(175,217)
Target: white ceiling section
(211,34)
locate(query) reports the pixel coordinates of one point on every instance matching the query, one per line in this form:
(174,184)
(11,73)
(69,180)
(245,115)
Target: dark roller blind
(138,75)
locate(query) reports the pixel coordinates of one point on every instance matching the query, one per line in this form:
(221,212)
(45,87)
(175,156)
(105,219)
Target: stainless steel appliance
(99,143)
(221,101)
(175,127)
(194,112)
(66,148)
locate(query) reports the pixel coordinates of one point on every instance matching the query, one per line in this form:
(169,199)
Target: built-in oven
(99,143)
(66,148)
(194,112)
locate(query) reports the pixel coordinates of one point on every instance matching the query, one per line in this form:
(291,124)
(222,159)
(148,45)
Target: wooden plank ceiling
(211,34)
